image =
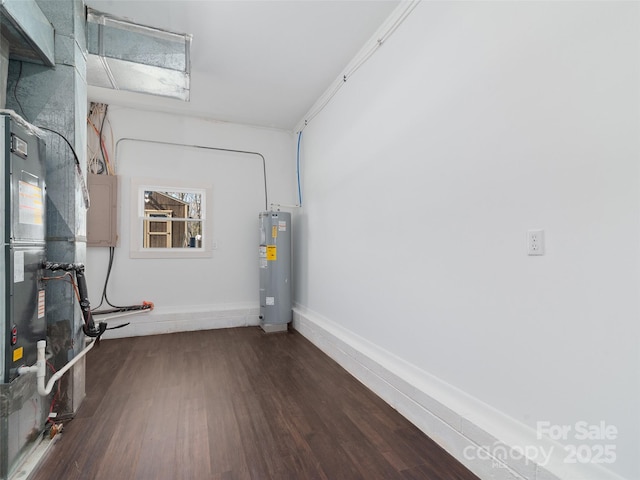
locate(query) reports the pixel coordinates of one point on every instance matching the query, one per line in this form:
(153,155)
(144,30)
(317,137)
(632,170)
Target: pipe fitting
(40,367)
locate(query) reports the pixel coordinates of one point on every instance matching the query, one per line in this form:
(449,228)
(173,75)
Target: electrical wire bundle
(98,160)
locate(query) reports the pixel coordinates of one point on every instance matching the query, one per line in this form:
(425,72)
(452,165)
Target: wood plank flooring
(235,404)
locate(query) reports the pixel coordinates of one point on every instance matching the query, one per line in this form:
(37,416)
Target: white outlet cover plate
(535,242)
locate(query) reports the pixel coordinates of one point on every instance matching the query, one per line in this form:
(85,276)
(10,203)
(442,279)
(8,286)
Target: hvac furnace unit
(275,271)
(22,211)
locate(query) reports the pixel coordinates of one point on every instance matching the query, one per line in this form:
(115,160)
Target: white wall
(200,292)
(475,122)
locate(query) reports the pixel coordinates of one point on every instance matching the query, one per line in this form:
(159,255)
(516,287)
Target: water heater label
(30,204)
(272,252)
(282,226)
(274,232)
(271,301)
(263,251)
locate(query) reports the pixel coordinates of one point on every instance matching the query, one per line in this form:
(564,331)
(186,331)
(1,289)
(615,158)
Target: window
(169,219)
(172,219)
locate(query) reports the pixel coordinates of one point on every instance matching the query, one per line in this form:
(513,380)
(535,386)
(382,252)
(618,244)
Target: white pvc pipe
(109,316)
(41,367)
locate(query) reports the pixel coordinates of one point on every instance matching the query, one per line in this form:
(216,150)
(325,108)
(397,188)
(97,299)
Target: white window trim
(137,217)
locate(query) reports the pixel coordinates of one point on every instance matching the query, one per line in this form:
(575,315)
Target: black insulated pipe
(89,328)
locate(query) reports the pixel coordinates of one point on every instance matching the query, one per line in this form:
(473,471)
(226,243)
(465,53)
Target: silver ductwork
(28,31)
(25,34)
(137,58)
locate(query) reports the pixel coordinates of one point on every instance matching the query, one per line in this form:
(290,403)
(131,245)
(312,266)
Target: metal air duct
(128,56)
(26,35)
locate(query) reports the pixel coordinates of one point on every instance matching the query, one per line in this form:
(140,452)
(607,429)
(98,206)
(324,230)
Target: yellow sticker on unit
(271,252)
(18,353)
(274,232)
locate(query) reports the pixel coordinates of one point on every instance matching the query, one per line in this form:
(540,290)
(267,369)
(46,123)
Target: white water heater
(275,271)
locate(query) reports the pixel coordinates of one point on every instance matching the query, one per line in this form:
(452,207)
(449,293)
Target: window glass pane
(165,233)
(172,219)
(180,204)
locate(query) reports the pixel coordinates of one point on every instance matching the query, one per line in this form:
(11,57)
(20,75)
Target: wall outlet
(535,242)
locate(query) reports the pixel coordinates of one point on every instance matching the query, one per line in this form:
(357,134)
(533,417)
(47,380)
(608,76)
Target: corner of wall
(487,442)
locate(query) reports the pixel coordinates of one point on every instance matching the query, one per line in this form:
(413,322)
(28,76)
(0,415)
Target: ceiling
(259,63)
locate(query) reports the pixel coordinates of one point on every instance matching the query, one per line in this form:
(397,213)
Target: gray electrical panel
(102,216)
(275,271)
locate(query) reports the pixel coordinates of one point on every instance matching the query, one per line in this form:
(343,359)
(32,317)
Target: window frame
(138,218)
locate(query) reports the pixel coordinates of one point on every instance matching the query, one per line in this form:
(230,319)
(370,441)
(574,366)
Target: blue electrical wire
(298,169)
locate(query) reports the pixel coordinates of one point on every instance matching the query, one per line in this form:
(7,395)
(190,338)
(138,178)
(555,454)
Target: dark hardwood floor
(235,404)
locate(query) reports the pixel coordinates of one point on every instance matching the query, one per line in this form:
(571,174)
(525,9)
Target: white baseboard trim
(181,319)
(490,444)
